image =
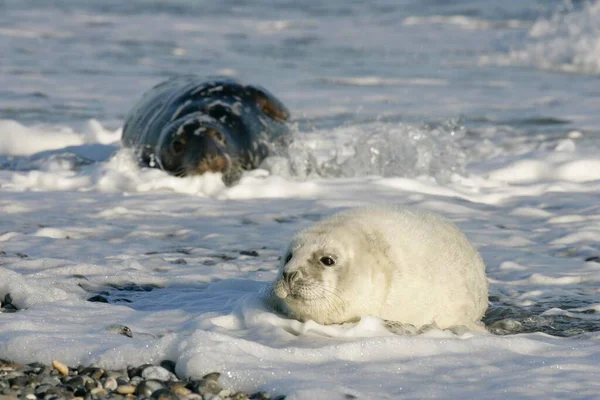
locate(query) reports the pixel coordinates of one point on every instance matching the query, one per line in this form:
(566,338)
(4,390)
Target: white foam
(380,81)
(12,140)
(463,22)
(119,224)
(17,139)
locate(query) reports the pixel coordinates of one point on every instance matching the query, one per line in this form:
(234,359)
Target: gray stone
(146,388)
(159,373)
(93,372)
(19,380)
(42,389)
(205,386)
(110,383)
(164,394)
(168,365)
(49,379)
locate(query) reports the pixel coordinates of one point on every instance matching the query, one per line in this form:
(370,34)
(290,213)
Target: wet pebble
(164,394)
(6,305)
(168,365)
(158,373)
(92,372)
(146,388)
(122,381)
(7,299)
(8,308)
(99,392)
(60,367)
(137,371)
(110,383)
(36,368)
(180,388)
(205,386)
(125,389)
(42,389)
(80,380)
(18,381)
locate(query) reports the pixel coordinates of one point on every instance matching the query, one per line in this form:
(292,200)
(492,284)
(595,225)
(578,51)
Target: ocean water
(486,112)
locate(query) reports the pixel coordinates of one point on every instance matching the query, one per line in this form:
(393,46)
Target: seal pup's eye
(288,258)
(327,261)
(178,146)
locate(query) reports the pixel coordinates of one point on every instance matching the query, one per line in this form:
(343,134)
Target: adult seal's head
(194,146)
(189,127)
(403,266)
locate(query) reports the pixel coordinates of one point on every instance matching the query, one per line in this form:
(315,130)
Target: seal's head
(196,144)
(322,274)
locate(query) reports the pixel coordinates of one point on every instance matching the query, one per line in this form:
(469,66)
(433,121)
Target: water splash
(567,41)
(377,149)
(558,317)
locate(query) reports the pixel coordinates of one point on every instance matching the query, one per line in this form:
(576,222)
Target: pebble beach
(57,382)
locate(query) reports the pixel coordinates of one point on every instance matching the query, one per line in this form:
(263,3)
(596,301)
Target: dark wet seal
(186,126)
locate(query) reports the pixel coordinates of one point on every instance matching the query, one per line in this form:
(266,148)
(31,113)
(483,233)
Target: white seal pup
(406,267)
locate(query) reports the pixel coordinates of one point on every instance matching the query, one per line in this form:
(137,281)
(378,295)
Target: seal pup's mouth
(307,301)
(301,291)
(281,289)
(292,286)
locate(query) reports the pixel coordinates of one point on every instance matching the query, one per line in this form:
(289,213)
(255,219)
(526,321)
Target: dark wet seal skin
(189,127)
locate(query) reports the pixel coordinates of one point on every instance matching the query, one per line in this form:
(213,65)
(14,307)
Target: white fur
(411,267)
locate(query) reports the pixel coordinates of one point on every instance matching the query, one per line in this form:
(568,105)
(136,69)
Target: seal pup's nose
(290,277)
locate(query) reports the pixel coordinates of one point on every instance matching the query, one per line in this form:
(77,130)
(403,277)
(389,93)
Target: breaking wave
(568,41)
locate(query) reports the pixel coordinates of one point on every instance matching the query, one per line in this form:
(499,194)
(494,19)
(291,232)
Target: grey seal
(187,126)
